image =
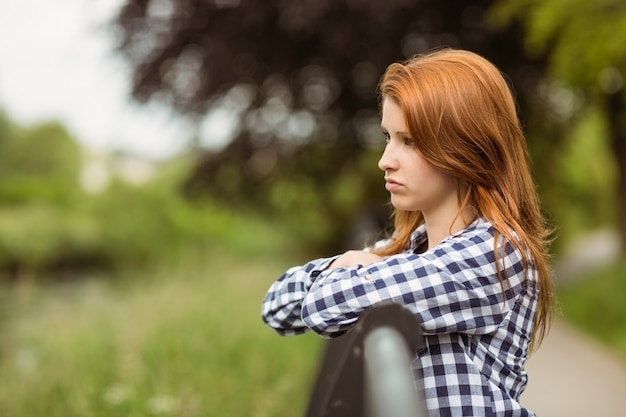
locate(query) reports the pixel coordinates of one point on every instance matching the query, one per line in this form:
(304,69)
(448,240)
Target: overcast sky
(57,62)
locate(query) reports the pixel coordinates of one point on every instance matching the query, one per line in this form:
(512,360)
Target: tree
(301,76)
(38,163)
(583,42)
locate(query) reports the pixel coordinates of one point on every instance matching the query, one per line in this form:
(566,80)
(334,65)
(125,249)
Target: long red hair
(462,115)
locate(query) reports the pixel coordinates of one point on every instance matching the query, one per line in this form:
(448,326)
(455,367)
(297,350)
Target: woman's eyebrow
(398,133)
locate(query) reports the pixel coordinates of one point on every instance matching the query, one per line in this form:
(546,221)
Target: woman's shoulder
(473,245)
(478,233)
(478,245)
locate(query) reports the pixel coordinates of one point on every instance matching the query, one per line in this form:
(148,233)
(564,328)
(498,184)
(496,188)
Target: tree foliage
(301,76)
(583,42)
(37,163)
(49,225)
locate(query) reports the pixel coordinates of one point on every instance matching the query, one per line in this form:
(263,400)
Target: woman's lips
(391,185)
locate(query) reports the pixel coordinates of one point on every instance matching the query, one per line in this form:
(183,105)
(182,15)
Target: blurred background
(163,161)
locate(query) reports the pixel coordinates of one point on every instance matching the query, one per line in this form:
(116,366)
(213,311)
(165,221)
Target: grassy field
(188,341)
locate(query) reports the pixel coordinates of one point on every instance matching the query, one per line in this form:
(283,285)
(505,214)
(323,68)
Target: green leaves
(581,39)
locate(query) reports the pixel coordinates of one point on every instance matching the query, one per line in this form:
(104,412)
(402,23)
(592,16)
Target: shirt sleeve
(454,288)
(281,308)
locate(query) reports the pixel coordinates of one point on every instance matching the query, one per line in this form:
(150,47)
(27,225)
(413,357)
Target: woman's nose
(387,161)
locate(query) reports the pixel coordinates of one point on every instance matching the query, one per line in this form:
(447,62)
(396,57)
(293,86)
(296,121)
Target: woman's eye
(408,141)
(387,137)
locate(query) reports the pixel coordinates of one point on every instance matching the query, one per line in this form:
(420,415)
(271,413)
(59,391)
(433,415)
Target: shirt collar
(418,238)
(419,235)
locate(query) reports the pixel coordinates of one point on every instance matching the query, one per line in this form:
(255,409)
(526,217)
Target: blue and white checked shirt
(476,336)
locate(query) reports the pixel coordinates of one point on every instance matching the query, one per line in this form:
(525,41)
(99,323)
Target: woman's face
(414,183)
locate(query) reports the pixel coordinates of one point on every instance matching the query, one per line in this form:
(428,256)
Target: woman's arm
(281,306)
(454,288)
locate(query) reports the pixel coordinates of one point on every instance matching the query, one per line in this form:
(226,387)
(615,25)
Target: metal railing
(367,372)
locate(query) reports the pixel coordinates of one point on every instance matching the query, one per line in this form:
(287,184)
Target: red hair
(462,113)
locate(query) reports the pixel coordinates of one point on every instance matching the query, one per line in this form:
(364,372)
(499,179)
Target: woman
(468,254)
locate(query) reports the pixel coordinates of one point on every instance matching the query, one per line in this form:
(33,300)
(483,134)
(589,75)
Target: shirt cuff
(321,267)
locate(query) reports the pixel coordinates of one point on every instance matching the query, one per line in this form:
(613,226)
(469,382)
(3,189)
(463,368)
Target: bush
(596,305)
(188,343)
(125,225)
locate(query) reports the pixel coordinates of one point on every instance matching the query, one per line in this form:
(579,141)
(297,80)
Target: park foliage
(143,299)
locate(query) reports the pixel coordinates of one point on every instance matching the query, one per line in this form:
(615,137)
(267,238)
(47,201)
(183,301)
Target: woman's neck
(442,225)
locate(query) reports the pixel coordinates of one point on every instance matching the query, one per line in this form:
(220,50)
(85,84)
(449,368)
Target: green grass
(596,305)
(186,340)
(189,341)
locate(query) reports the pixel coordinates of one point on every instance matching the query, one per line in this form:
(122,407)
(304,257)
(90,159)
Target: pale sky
(57,62)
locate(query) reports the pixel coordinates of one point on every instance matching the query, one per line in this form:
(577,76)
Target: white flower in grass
(163,404)
(26,360)
(116,394)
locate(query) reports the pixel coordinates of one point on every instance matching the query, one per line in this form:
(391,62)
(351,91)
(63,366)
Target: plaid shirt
(476,334)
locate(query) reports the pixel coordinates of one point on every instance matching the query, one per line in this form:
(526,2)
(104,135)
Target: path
(572,375)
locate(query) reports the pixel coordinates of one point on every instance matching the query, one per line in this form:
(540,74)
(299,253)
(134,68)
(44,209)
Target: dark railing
(367,372)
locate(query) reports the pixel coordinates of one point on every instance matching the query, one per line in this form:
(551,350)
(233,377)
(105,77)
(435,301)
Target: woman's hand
(354,257)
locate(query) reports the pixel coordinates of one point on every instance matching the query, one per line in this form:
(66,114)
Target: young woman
(468,253)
